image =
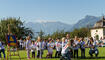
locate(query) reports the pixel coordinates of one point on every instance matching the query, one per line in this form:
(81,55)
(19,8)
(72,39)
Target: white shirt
(28,43)
(33,47)
(58,46)
(39,46)
(24,44)
(21,42)
(63,44)
(64,49)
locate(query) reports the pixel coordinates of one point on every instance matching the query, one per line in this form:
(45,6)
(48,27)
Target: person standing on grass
(28,46)
(53,43)
(33,47)
(82,47)
(39,48)
(21,44)
(24,44)
(58,47)
(71,42)
(76,46)
(50,49)
(43,45)
(63,42)
(2,48)
(100,42)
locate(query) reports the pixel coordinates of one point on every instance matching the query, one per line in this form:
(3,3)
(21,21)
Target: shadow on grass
(35,58)
(59,58)
(91,58)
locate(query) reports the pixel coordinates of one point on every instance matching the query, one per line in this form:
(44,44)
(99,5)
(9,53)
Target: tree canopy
(82,32)
(16,27)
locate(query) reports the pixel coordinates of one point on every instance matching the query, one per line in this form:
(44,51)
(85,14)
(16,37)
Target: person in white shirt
(33,47)
(71,42)
(39,48)
(28,46)
(63,42)
(21,43)
(58,47)
(65,52)
(50,49)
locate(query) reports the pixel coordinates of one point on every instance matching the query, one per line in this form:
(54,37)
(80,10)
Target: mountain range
(50,27)
(87,21)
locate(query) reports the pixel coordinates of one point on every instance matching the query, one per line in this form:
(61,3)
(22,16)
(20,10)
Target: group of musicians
(65,47)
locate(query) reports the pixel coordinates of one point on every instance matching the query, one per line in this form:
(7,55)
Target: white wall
(99,32)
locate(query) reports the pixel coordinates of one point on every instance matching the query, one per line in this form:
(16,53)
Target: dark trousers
(21,47)
(71,53)
(57,54)
(76,53)
(39,53)
(3,51)
(33,54)
(95,51)
(82,53)
(65,56)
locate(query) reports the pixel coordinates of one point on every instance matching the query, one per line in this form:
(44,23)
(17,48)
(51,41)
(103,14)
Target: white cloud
(44,21)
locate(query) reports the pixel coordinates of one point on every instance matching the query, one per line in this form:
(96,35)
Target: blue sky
(67,11)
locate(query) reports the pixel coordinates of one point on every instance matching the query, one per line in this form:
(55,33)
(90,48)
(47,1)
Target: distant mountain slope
(48,27)
(88,21)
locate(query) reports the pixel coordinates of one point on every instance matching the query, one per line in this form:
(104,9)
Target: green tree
(82,32)
(58,34)
(16,27)
(41,33)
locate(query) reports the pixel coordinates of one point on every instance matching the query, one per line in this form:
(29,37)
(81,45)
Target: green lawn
(101,55)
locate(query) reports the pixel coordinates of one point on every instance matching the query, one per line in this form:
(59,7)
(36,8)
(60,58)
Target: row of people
(75,44)
(60,46)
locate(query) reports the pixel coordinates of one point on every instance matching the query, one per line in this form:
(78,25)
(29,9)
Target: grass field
(101,56)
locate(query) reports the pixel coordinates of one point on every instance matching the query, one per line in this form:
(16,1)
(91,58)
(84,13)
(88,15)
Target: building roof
(97,27)
(100,23)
